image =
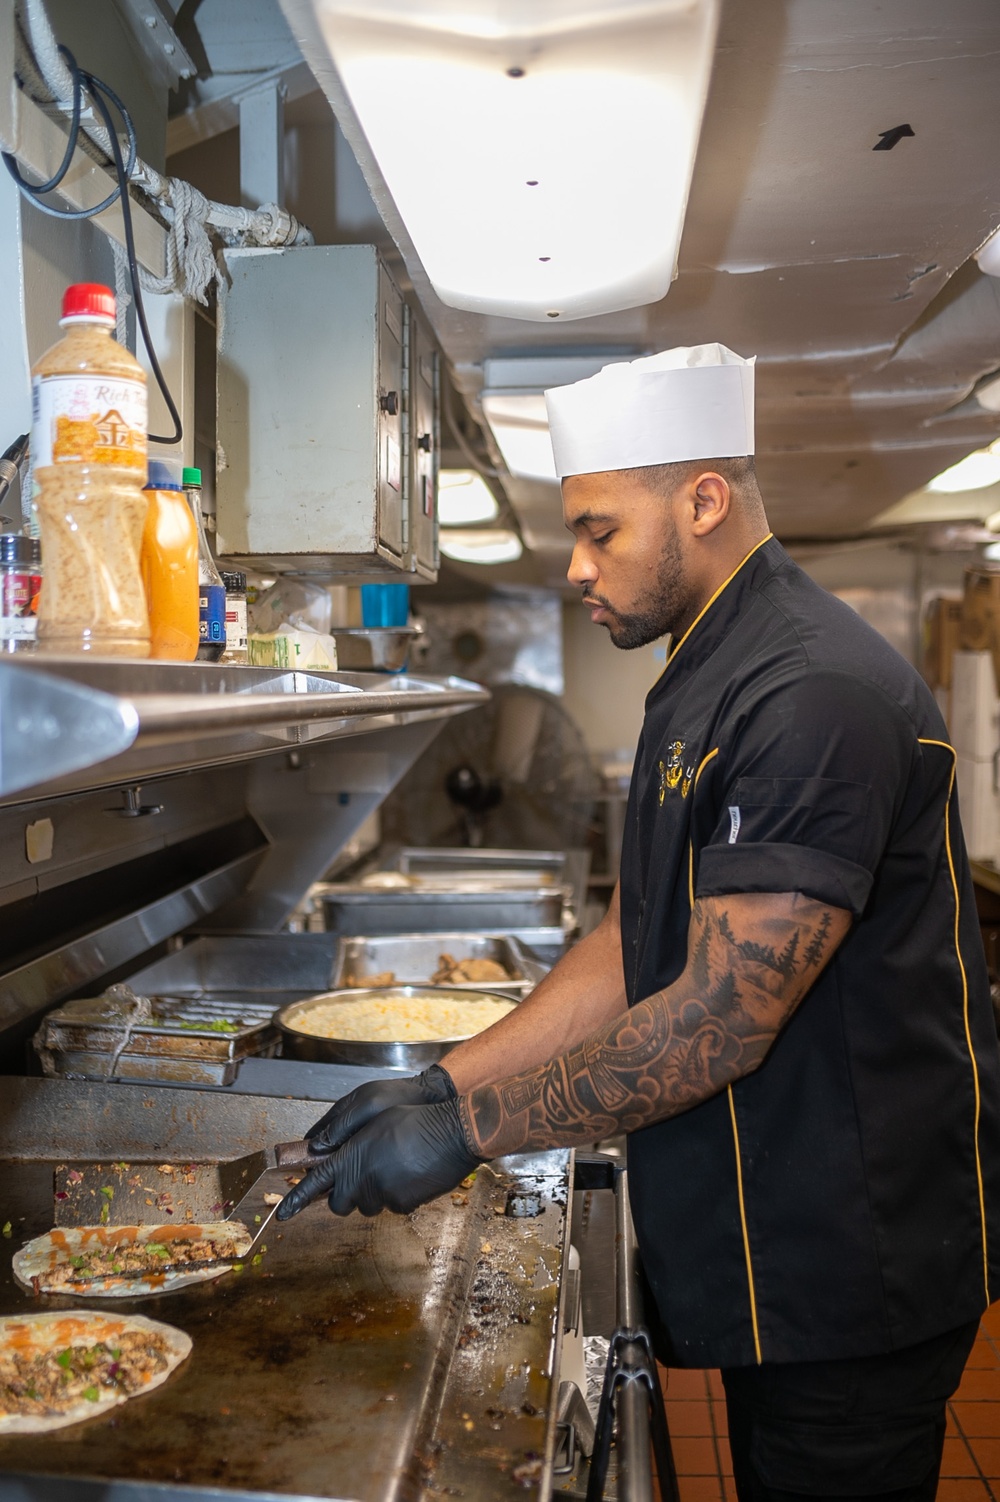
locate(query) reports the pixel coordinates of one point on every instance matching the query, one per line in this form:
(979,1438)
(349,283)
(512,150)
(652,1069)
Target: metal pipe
(38,54)
(177,717)
(629,1298)
(635,1470)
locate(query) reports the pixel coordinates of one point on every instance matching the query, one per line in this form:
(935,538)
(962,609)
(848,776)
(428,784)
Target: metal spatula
(124,1193)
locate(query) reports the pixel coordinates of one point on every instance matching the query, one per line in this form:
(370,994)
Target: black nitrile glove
(404,1156)
(351,1113)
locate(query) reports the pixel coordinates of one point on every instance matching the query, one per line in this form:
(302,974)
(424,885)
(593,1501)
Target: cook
(786,1007)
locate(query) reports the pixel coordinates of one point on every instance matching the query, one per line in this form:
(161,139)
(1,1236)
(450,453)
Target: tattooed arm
(582,992)
(751,959)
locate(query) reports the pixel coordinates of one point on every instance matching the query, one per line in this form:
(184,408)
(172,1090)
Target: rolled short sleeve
(807,792)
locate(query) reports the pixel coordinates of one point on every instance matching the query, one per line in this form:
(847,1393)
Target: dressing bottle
(88,445)
(170,565)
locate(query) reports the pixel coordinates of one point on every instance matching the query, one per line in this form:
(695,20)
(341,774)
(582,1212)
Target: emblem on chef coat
(674,775)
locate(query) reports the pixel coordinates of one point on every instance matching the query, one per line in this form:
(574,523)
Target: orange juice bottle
(88,448)
(170,565)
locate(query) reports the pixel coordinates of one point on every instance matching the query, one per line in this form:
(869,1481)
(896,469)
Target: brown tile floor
(970,1472)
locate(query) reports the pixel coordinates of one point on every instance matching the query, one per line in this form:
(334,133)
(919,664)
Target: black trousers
(870,1427)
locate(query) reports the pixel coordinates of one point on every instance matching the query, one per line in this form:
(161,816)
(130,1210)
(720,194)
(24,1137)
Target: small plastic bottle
(170,566)
(18,571)
(237,650)
(211,590)
(88,446)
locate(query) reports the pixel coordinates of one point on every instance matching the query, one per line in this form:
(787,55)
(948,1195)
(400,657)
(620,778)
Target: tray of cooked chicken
(497,962)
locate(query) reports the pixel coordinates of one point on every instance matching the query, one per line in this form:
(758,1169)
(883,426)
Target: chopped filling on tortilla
(51,1382)
(137,1259)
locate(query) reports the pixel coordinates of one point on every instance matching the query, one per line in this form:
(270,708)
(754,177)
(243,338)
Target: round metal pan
(296,1044)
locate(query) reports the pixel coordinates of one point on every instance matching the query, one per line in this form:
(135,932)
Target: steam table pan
(351,908)
(412,959)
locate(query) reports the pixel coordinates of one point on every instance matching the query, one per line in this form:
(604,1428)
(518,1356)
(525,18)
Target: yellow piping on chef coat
(732,1106)
(704,763)
(724,585)
(743,1223)
(732,1103)
(965,998)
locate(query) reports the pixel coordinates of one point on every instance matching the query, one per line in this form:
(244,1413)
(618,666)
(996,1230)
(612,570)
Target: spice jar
(236,616)
(18,592)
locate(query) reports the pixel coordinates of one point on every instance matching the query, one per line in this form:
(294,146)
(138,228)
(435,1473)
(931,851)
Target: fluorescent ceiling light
(539,154)
(513,403)
(521,428)
(988,394)
(491,545)
(971,473)
(464,497)
(988,255)
(925,507)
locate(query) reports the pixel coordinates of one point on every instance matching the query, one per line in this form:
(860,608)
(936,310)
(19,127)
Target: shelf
(72,723)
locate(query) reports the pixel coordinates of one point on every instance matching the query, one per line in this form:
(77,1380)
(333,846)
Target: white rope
(191,266)
(123,293)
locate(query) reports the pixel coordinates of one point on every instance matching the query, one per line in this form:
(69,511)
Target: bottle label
(211,612)
(17,616)
(236,624)
(15,594)
(88,419)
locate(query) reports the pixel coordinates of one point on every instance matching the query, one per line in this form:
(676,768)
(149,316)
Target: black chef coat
(844,1200)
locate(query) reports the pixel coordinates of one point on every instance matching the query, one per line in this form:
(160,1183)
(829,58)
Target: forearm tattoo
(751,959)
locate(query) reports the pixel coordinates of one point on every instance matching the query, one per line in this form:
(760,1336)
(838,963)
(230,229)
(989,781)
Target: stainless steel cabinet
(318,469)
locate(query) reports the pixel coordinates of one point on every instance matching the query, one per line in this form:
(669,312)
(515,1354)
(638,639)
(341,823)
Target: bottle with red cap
(88,446)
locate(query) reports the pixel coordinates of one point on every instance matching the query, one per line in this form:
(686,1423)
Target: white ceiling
(846,270)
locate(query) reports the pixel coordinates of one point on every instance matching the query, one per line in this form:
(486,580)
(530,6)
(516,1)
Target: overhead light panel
(513,403)
(988,255)
(520,426)
(539,154)
(971,473)
(987,394)
(488,545)
(464,497)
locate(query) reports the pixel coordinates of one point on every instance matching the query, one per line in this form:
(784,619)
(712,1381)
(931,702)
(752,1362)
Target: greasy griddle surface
(362,1358)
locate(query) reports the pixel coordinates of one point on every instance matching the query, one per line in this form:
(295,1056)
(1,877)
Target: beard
(659,611)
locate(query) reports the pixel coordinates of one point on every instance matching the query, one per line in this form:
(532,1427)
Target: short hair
(740,473)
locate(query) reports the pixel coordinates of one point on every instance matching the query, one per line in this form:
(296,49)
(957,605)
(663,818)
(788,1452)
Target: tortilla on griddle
(42,1265)
(64,1367)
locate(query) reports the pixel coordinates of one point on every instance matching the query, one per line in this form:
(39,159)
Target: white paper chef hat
(689,403)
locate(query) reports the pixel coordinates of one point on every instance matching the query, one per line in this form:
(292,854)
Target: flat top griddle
(366,1359)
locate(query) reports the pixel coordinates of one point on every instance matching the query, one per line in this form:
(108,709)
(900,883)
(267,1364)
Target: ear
(711,497)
